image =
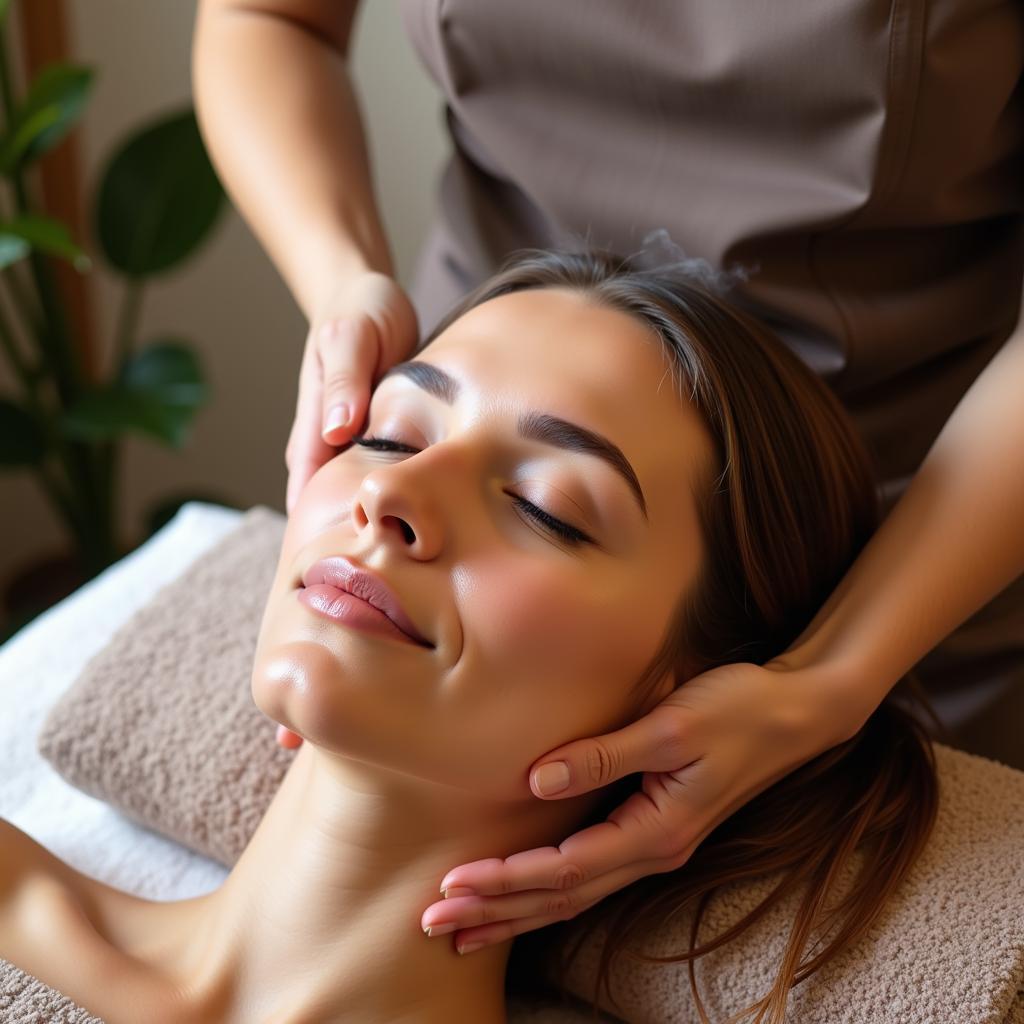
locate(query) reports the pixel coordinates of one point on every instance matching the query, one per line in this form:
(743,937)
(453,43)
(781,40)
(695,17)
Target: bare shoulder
(30,876)
(23,859)
(52,921)
(20,855)
(30,873)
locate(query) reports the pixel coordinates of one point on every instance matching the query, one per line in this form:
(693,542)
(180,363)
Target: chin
(290,680)
(270,692)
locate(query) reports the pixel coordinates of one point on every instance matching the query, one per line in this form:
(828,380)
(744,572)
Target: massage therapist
(869,162)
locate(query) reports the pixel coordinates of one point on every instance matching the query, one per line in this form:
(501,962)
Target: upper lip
(339,572)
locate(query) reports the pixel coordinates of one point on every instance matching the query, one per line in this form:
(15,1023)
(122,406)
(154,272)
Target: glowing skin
(416,759)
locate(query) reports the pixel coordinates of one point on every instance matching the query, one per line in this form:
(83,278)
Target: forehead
(554,351)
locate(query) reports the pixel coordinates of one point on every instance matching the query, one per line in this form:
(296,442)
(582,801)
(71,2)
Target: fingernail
(337,417)
(440,929)
(458,890)
(470,947)
(551,778)
(288,739)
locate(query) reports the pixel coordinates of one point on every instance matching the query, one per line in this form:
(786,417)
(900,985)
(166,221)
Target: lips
(337,571)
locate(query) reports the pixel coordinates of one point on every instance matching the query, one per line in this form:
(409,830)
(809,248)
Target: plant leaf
(167,367)
(105,415)
(42,233)
(157,393)
(22,442)
(159,197)
(12,249)
(48,112)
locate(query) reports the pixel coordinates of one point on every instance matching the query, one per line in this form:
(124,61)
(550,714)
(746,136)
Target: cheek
(325,502)
(558,649)
(514,609)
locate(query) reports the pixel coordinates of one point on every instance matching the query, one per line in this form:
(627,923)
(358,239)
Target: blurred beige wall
(229,299)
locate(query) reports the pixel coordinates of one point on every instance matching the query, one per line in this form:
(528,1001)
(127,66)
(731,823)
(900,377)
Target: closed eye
(564,531)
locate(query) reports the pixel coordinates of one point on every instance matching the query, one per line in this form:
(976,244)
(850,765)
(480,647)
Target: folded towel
(24,1000)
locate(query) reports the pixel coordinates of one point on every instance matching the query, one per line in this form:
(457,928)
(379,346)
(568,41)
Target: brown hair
(790,504)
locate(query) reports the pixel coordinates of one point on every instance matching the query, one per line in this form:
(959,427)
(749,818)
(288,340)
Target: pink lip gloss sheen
(340,606)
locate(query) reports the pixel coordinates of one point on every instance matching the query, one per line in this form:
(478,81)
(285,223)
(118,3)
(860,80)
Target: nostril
(407,531)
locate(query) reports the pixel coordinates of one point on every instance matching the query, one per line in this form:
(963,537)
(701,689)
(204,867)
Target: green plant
(158,199)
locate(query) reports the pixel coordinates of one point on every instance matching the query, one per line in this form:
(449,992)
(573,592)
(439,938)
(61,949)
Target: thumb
(588,764)
(348,348)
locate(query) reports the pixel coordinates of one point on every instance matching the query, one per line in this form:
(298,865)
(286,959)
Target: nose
(395,506)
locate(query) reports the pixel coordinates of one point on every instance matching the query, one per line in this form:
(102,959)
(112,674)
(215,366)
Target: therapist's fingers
(501,917)
(306,450)
(635,829)
(659,741)
(287,739)
(334,385)
(348,348)
(359,330)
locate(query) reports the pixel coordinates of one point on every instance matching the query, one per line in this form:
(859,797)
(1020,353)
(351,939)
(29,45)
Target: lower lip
(340,606)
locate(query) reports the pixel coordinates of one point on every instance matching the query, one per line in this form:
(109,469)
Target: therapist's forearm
(953,541)
(281,121)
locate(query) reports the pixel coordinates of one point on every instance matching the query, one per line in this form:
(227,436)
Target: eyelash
(567,533)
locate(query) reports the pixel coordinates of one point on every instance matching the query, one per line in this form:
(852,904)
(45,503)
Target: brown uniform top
(867,156)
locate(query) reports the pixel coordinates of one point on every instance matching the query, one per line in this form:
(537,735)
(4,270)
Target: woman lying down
(592,483)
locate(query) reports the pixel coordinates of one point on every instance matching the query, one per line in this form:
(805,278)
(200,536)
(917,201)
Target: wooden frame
(44,39)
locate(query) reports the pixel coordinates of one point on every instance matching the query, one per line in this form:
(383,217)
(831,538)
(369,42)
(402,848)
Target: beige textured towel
(25,1000)
(161,724)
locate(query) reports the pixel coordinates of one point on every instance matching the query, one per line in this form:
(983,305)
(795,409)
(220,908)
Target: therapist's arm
(954,540)
(280,118)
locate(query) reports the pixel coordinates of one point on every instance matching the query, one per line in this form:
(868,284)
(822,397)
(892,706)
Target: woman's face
(538,638)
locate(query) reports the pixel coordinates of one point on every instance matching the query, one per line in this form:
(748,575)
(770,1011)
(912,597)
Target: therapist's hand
(708,748)
(360,329)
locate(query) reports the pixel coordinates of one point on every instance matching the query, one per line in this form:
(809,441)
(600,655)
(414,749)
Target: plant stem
(127,321)
(21,367)
(54,441)
(131,304)
(28,307)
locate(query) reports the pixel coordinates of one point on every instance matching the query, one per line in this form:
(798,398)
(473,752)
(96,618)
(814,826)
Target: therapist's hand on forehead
(358,330)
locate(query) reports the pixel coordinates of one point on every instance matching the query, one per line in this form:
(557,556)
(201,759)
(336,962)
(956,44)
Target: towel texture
(161,725)
(26,1000)
(948,948)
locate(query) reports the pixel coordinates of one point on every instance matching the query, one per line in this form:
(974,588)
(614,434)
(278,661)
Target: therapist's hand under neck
(359,330)
(711,746)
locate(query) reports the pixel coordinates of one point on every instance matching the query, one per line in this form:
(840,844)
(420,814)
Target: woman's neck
(320,917)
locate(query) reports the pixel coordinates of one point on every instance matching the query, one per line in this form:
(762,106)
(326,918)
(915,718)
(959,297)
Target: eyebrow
(534,426)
